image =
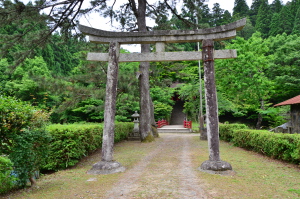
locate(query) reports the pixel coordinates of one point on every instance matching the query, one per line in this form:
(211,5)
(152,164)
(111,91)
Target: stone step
(174,129)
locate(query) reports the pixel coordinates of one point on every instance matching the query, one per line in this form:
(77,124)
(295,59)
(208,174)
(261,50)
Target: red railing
(161,123)
(187,124)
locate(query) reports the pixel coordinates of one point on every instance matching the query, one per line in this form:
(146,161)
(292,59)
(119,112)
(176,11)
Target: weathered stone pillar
(107,165)
(145,101)
(212,121)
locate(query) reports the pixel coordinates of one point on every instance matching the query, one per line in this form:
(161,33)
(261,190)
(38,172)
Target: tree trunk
(259,118)
(32,181)
(145,108)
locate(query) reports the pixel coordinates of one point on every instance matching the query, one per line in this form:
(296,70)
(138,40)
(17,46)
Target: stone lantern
(135,134)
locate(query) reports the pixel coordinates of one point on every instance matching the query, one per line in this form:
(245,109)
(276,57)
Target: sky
(93,19)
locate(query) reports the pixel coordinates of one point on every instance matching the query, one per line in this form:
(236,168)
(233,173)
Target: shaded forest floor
(168,168)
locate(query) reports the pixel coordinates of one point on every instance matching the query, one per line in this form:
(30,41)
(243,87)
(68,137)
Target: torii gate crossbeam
(208,54)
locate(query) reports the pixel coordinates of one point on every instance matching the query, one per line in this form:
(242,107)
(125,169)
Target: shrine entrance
(160,38)
(177,115)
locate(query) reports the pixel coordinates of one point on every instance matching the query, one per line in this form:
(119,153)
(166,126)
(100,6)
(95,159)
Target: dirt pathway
(166,172)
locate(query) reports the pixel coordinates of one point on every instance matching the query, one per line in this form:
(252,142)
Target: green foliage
(190,94)
(276,6)
(90,110)
(72,142)
(21,31)
(6,179)
(122,130)
(28,153)
(162,101)
(15,116)
(61,56)
(218,15)
(276,145)
(296,28)
(286,22)
(263,19)
(24,85)
(274,28)
(23,137)
(240,8)
(162,111)
(227,131)
(284,69)
(242,81)
(4,76)
(254,11)
(274,116)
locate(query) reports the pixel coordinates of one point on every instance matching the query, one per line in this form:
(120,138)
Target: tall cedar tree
(287,19)
(227,18)
(30,29)
(296,28)
(276,6)
(263,19)
(217,15)
(254,11)
(240,9)
(195,8)
(294,5)
(274,26)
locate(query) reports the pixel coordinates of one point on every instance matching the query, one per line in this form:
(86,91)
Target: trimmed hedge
(72,142)
(226,131)
(276,145)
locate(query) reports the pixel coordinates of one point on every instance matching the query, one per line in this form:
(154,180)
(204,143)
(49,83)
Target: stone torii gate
(160,38)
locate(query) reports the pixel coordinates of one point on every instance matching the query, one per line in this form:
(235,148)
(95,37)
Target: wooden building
(293,126)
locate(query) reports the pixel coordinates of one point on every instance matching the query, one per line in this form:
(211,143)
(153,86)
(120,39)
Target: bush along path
(168,168)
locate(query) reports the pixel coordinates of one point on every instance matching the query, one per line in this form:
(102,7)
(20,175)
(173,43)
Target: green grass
(256,176)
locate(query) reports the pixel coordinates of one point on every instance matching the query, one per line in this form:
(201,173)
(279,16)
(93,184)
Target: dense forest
(53,74)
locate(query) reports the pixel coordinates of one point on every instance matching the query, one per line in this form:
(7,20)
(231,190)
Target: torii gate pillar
(214,164)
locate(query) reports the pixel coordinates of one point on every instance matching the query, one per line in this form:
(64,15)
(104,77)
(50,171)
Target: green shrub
(6,179)
(14,117)
(276,145)
(28,154)
(226,130)
(72,142)
(23,137)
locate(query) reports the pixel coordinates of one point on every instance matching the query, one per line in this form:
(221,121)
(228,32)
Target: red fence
(187,124)
(161,123)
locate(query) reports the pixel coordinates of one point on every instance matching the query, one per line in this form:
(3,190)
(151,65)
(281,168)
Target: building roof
(294,100)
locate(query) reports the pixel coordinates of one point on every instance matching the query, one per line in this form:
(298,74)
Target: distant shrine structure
(160,38)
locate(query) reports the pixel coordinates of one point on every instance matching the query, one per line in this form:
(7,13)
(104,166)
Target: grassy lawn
(256,176)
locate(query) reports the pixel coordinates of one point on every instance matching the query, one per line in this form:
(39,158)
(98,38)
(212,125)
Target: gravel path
(166,172)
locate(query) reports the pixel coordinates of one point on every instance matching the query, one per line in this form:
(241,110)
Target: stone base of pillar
(104,167)
(215,167)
